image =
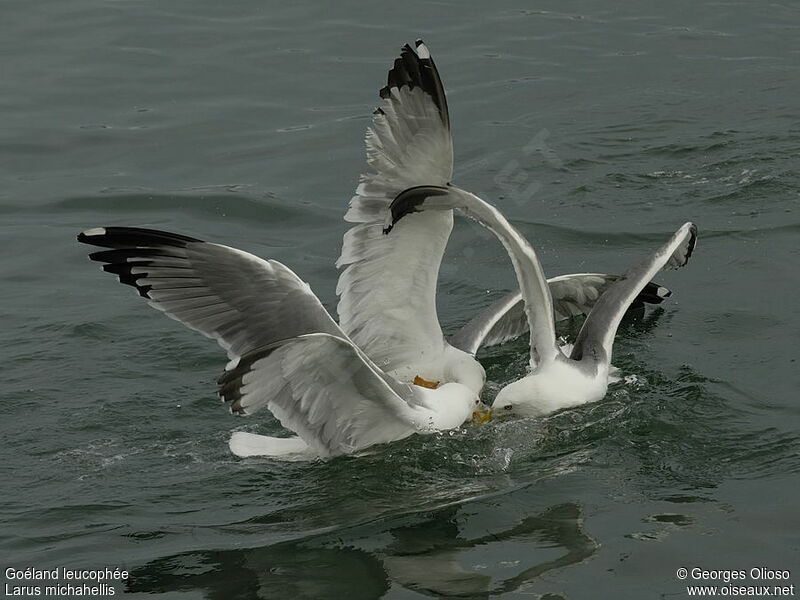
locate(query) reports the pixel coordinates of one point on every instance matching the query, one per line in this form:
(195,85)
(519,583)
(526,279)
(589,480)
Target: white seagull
(556,380)
(287,353)
(387,288)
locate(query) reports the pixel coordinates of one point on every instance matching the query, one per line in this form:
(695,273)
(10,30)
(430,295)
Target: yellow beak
(482,416)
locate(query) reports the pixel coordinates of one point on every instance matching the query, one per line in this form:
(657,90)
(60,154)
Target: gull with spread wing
(556,380)
(387,288)
(286,353)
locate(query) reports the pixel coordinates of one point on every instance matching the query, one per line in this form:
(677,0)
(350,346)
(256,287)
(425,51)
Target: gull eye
(477,401)
(508,407)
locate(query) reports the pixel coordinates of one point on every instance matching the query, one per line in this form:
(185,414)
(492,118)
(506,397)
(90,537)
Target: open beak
(481,416)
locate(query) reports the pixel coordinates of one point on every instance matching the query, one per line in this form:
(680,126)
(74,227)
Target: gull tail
(245,444)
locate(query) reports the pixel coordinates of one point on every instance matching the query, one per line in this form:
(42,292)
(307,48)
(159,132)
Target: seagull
(286,352)
(387,286)
(557,380)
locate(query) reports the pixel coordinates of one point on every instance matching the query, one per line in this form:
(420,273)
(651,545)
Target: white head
(452,405)
(561,384)
(517,399)
(462,368)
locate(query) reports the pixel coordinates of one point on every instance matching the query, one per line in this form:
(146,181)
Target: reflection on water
(434,555)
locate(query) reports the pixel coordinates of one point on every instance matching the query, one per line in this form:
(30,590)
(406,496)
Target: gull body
(286,353)
(553,385)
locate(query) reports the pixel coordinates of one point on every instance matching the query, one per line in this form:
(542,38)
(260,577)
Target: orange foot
(431,385)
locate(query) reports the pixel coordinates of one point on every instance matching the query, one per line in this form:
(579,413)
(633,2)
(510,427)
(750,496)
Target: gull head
(462,368)
(454,404)
(518,398)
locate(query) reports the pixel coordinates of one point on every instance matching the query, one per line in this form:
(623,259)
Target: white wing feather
(598,331)
(288,354)
(387,288)
(324,389)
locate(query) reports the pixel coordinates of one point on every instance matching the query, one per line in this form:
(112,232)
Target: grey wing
(324,389)
(574,294)
(242,301)
(600,328)
(577,294)
(387,287)
(501,321)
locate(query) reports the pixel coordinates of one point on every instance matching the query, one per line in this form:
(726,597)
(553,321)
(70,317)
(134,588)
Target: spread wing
(240,300)
(387,288)
(573,295)
(287,353)
(324,389)
(600,328)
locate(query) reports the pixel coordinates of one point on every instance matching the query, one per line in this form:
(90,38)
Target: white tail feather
(250,444)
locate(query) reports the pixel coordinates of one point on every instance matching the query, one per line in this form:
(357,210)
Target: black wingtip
(652,293)
(231,381)
(122,237)
(409,201)
(415,68)
(87,236)
(692,242)
(133,250)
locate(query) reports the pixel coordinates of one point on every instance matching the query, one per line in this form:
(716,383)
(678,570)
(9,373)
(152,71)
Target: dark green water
(597,130)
